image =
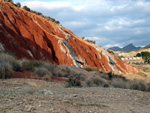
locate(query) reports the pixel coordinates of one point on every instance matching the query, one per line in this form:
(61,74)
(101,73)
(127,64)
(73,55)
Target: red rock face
(30,36)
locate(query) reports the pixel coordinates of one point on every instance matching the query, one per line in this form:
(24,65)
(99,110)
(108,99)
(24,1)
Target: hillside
(31,36)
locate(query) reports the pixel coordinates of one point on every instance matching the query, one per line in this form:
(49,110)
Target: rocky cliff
(31,36)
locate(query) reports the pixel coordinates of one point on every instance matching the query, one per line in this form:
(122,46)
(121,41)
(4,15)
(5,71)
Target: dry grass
(8,64)
(87,77)
(5,70)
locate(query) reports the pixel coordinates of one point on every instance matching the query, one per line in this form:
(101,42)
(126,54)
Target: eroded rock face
(30,36)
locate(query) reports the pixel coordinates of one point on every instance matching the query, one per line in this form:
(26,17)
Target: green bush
(145,55)
(26,8)
(18,4)
(111,52)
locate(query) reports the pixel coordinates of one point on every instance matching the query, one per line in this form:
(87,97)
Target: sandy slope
(37,96)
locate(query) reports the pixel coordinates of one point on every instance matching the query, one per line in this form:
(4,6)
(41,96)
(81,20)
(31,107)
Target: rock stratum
(28,35)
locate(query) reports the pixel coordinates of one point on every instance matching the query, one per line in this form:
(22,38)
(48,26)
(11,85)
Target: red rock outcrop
(31,36)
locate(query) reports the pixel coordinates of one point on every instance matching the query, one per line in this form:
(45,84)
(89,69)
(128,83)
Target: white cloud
(46,5)
(109,22)
(78,8)
(111,45)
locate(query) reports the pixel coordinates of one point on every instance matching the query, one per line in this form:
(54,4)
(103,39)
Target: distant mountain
(147,46)
(127,48)
(115,48)
(130,47)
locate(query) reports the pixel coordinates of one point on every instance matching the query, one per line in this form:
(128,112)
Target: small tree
(57,22)
(18,4)
(26,8)
(145,55)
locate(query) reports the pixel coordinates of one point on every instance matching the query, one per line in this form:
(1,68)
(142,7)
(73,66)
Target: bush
(44,73)
(18,4)
(74,82)
(36,12)
(111,52)
(27,65)
(31,65)
(6,58)
(119,83)
(89,83)
(50,67)
(5,70)
(90,41)
(57,22)
(99,82)
(41,71)
(26,8)
(145,55)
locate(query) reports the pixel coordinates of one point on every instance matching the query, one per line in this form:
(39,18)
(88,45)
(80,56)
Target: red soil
(31,36)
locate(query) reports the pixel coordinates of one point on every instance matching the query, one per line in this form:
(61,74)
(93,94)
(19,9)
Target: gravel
(38,96)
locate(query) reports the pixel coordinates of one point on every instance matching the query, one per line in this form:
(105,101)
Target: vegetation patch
(86,77)
(145,55)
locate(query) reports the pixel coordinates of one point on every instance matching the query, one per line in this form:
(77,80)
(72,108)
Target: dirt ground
(38,96)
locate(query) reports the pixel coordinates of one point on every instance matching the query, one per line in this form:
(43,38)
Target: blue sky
(108,22)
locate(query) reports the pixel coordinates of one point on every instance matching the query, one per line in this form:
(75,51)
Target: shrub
(90,41)
(31,65)
(134,86)
(5,70)
(50,67)
(36,12)
(148,88)
(89,83)
(57,22)
(41,71)
(6,58)
(73,81)
(98,81)
(119,83)
(18,4)
(120,56)
(44,73)
(27,65)
(47,77)
(111,52)
(26,8)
